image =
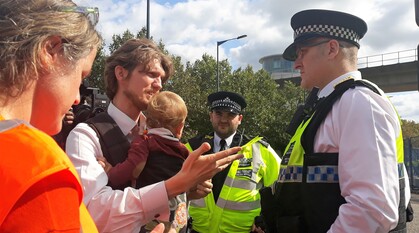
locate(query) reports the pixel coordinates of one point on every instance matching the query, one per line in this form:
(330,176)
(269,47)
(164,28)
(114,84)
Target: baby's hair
(166,110)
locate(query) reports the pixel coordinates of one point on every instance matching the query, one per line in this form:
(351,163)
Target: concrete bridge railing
(363,62)
(388,58)
(392,72)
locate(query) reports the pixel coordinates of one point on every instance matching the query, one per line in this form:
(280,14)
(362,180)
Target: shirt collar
(124,122)
(228,140)
(330,87)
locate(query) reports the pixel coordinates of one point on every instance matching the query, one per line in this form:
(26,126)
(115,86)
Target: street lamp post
(148,19)
(218,44)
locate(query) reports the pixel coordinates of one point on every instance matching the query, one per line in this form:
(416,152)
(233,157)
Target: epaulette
(261,141)
(209,137)
(264,143)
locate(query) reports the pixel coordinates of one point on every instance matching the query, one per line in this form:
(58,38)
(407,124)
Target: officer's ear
(334,48)
(240,118)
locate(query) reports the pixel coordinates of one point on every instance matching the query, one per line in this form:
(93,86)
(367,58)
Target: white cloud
(190,28)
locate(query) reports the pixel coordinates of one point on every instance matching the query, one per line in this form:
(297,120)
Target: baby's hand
(105,165)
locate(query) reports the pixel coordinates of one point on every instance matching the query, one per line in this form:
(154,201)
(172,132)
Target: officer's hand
(256,229)
(259,225)
(200,191)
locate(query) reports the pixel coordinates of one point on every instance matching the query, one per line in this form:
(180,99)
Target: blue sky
(192,28)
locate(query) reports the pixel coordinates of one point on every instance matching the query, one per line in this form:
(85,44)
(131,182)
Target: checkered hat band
(226,102)
(332,30)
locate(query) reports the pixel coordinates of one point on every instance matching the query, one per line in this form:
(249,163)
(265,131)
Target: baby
(157,154)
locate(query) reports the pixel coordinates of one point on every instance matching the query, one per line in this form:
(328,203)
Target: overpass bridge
(392,72)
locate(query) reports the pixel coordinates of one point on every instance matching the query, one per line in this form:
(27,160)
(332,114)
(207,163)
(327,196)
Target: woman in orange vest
(46,48)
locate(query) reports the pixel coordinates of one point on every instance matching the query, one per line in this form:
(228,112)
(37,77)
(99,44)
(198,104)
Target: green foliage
(410,129)
(118,40)
(96,76)
(270,106)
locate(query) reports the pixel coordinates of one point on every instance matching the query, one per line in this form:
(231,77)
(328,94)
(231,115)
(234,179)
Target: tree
(118,40)
(194,84)
(98,68)
(410,129)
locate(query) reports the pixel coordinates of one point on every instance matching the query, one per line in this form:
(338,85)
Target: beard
(139,103)
(224,132)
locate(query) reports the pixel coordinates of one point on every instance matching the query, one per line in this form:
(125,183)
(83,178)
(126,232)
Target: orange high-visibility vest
(27,156)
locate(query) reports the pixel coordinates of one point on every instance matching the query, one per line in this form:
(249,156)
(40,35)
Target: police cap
(337,25)
(228,101)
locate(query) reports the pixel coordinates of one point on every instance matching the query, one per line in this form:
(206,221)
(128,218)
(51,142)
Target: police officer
(343,169)
(234,202)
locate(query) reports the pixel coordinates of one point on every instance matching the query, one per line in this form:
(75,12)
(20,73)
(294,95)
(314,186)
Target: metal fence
(411,160)
(388,58)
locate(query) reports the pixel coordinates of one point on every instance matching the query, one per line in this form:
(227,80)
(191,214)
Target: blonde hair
(26,25)
(132,53)
(166,110)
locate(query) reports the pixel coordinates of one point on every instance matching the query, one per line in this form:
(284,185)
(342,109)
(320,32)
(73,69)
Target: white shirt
(363,127)
(217,140)
(113,210)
